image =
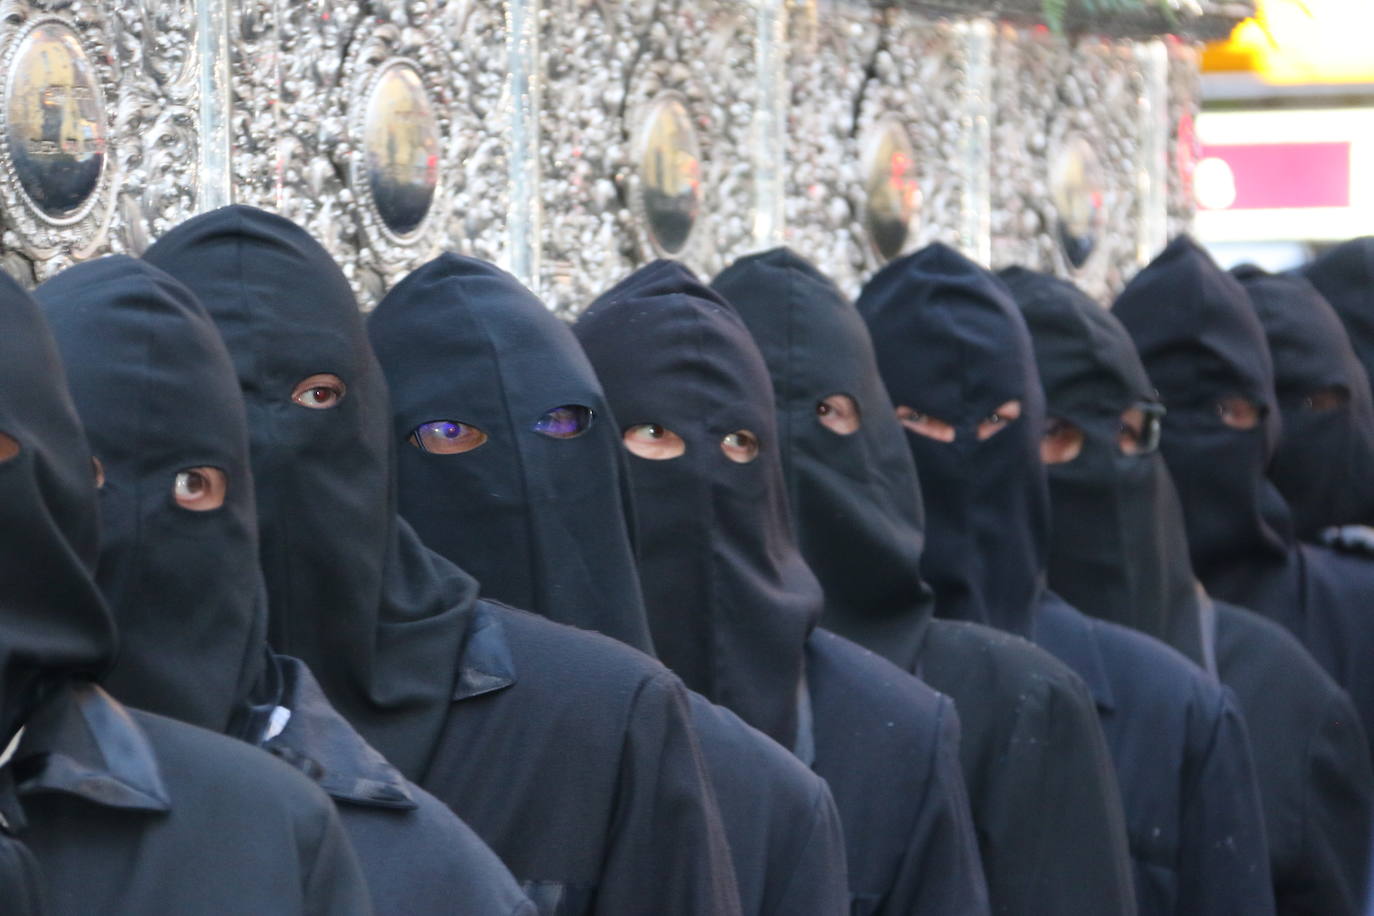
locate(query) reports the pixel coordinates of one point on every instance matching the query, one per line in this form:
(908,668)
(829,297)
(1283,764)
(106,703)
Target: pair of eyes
(451,437)
(943,431)
(837,413)
(1137,433)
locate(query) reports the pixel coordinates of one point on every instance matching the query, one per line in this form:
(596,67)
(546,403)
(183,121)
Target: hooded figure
(179,567)
(535,452)
(1119,541)
(1323,458)
(569,754)
(1204,350)
(732,604)
(120,811)
(1344,275)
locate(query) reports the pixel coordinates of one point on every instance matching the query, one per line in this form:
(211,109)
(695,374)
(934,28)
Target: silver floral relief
(1064,182)
(607,68)
(1185,100)
(830,48)
(367,128)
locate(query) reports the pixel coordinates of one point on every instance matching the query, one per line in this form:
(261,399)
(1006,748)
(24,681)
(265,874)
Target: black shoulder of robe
(1312,762)
(417,856)
(150,815)
(1183,762)
(549,483)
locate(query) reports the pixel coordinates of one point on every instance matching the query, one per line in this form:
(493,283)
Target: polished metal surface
(55,128)
(401,143)
(891,191)
(1079,195)
(669,173)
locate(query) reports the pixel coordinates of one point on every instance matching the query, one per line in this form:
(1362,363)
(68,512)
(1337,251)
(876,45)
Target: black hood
(1200,341)
(54,625)
(855,498)
(951,344)
(538,520)
(731,601)
(352,591)
(1117,549)
(1345,276)
(158,395)
(1322,466)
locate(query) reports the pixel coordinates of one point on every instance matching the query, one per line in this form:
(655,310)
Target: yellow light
(1292,42)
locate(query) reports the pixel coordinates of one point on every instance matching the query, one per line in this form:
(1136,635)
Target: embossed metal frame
(868,152)
(647,239)
(83,230)
(419,45)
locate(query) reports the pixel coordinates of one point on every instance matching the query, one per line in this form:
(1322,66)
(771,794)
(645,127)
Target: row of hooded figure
(723,658)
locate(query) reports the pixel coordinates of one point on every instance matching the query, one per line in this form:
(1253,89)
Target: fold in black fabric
(1323,459)
(352,591)
(462,340)
(148,369)
(984,505)
(1111,557)
(731,602)
(855,498)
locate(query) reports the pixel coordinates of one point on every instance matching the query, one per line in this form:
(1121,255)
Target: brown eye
(926,425)
(566,422)
(653,441)
(839,414)
(1239,413)
(9,447)
(740,446)
(319,392)
(1325,399)
(996,421)
(99,470)
(446,437)
(200,489)
(1062,442)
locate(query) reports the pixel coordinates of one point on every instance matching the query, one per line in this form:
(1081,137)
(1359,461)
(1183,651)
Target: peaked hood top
(352,591)
(1200,341)
(1118,548)
(537,518)
(1345,276)
(158,395)
(1323,459)
(54,625)
(951,345)
(731,601)
(855,498)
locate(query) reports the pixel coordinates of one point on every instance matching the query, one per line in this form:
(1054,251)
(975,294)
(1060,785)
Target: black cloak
(1344,275)
(571,755)
(732,604)
(1030,736)
(158,392)
(122,811)
(549,481)
(1200,341)
(1323,458)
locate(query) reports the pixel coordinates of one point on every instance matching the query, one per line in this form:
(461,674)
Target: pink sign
(1271,176)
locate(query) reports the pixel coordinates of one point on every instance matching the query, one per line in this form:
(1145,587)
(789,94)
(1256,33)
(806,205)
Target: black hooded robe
(187,594)
(571,755)
(120,811)
(1121,552)
(548,483)
(732,605)
(1201,342)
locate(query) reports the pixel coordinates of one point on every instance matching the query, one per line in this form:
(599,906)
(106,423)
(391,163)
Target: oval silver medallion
(401,145)
(892,193)
(669,175)
(1078,192)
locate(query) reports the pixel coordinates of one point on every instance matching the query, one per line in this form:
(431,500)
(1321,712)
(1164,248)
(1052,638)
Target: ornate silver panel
(1185,99)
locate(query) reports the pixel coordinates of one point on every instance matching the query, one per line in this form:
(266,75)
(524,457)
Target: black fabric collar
(81,742)
(855,498)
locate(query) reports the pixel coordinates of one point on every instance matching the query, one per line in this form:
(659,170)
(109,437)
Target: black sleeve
(21,880)
(942,871)
(334,884)
(1223,855)
(817,881)
(1060,813)
(668,852)
(1337,815)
